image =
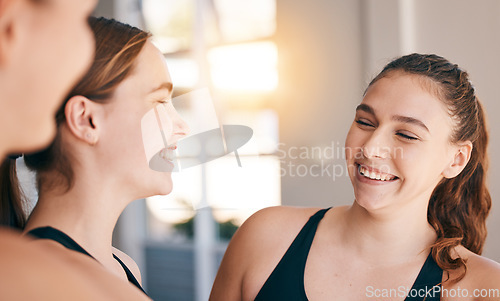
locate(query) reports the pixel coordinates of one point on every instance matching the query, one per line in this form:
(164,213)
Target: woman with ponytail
(97,163)
(12,202)
(417,159)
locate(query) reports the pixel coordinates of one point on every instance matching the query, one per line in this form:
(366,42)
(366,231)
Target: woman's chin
(165,190)
(371,204)
(157,191)
(37,140)
(165,187)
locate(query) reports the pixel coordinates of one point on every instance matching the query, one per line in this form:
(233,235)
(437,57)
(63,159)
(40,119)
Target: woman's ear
(460,160)
(81,118)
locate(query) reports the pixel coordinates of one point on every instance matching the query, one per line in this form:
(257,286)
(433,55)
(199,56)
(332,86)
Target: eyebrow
(166,85)
(405,119)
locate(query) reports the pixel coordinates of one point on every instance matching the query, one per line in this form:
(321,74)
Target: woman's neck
(388,236)
(88,213)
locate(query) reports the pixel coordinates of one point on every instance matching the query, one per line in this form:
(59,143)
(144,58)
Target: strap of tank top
(428,282)
(58,236)
(289,273)
(302,244)
(62,238)
(130,276)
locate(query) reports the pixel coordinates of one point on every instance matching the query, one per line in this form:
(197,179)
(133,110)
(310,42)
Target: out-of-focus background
(293,71)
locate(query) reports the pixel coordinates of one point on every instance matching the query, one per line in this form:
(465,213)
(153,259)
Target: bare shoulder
(130,263)
(484,270)
(279,218)
(256,248)
(271,228)
(43,270)
(268,229)
(482,278)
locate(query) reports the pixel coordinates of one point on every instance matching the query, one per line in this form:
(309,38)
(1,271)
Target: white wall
(321,80)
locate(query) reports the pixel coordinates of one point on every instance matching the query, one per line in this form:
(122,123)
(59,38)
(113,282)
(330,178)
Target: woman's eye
(411,138)
(360,122)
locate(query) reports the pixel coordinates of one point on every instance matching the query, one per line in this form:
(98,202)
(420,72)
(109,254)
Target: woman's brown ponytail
(459,206)
(11,197)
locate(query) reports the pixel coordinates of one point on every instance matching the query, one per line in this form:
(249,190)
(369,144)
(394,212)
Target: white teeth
(372,175)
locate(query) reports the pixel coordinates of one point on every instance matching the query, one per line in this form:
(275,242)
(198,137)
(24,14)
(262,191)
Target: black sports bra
(286,282)
(68,242)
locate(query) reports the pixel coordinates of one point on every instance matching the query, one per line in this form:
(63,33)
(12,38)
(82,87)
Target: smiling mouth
(375,175)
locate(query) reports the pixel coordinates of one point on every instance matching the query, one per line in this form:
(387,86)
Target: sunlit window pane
(245,67)
(246,20)
(171,22)
(184,72)
(264,124)
(237,192)
(178,205)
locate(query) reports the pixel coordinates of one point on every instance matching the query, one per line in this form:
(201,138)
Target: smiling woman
(417,161)
(425,91)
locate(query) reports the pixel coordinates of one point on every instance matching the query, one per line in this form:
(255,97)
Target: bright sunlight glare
(245,67)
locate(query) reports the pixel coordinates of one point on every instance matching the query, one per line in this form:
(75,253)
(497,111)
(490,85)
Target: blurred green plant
(225,229)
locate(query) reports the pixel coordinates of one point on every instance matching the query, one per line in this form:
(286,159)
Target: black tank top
(286,282)
(68,242)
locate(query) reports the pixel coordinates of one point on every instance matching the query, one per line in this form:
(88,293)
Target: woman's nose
(376,146)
